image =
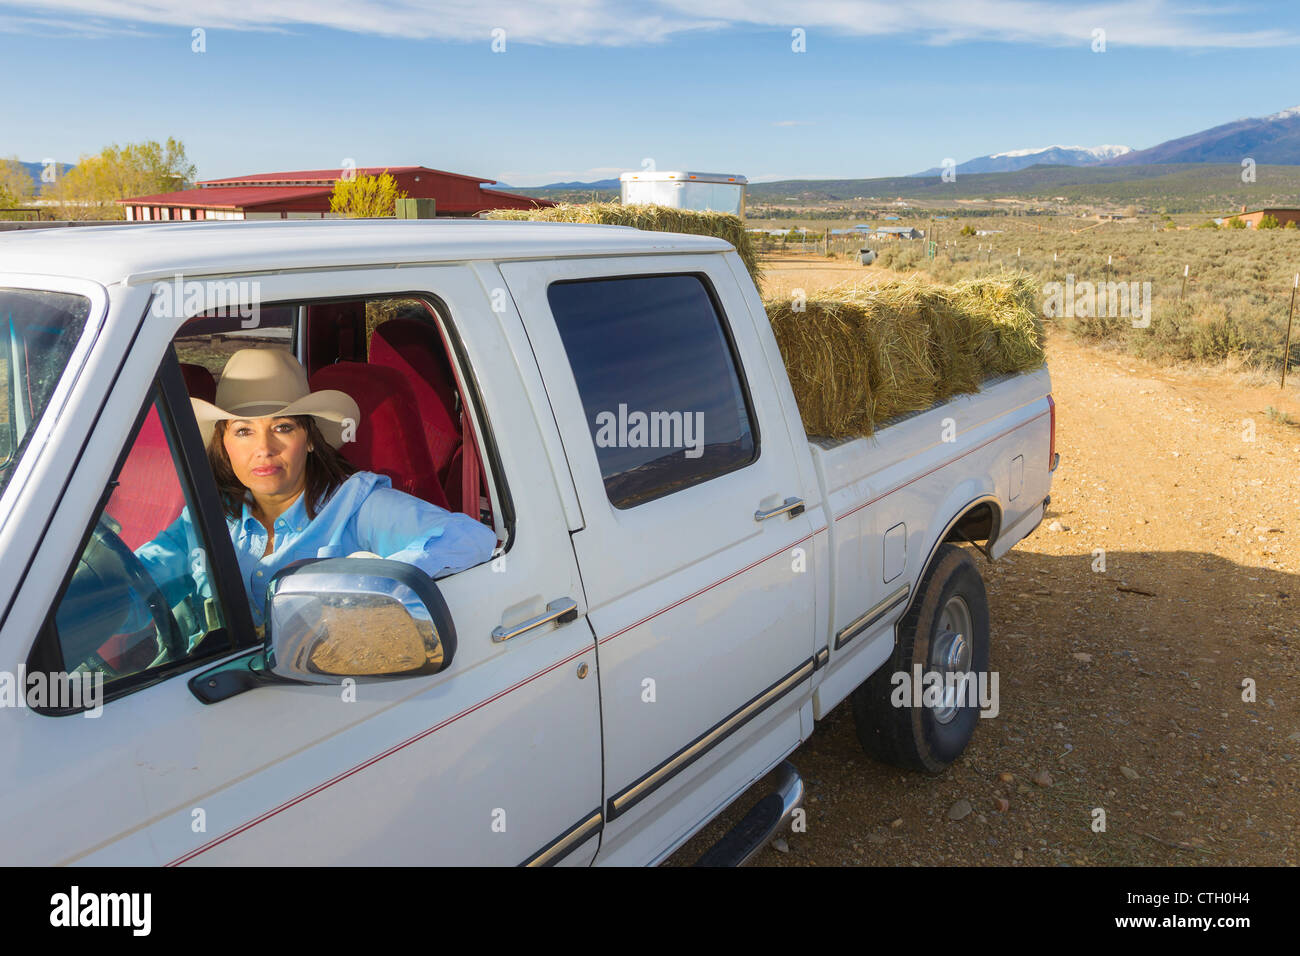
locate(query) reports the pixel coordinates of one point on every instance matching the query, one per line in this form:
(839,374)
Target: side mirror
(364,618)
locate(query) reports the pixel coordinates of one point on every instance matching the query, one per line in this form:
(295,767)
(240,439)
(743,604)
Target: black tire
(915,737)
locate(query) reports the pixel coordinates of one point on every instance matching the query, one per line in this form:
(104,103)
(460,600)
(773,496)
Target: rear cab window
(662,389)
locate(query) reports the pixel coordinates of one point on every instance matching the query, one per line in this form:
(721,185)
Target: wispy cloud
(792,123)
(63,28)
(1144,23)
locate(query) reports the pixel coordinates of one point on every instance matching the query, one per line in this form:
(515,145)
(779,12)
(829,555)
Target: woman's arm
(169,560)
(402,527)
(174,560)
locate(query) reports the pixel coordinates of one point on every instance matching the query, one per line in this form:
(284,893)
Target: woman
(288,493)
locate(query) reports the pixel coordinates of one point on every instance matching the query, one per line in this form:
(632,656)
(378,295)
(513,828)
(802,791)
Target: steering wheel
(109,567)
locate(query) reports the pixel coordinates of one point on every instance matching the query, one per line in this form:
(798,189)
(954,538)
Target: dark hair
(326,469)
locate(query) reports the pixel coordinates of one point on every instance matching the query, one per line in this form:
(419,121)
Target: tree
(16,186)
(90,190)
(968,230)
(1269,221)
(1235,223)
(366,197)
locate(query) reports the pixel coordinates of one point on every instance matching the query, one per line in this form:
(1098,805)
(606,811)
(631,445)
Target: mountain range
(1272,139)
(1166,171)
(1268,140)
(1014,159)
(34,170)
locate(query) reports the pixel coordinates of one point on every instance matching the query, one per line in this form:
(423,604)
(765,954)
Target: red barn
(305,194)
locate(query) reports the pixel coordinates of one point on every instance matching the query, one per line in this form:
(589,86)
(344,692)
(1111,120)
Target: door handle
(561,611)
(792,507)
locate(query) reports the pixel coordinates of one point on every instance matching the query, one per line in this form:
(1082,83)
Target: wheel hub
(951,655)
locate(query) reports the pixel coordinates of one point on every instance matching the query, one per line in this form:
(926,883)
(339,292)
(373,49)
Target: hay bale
(650,218)
(1007,326)
(860,354)
(830,371)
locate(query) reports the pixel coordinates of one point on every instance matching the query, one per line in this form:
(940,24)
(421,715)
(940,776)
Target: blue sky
(587,88)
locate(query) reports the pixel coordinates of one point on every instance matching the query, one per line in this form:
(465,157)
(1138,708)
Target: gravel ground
(1121,689)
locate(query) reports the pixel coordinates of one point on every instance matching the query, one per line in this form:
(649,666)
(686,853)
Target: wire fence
(821,244)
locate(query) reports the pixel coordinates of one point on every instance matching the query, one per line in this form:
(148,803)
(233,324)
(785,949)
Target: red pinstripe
(361,766)
(710,587)
(527,680)
(941,465)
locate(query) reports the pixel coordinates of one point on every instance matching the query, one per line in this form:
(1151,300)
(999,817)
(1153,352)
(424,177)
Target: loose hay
(651,218)
(860,354)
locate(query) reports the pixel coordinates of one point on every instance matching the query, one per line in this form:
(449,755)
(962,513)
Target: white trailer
(719,192)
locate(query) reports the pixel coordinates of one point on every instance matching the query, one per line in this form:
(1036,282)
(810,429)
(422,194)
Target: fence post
(1182,292)
(1286,352)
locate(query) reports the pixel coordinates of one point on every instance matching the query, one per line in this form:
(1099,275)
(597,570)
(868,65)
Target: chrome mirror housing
(362,618)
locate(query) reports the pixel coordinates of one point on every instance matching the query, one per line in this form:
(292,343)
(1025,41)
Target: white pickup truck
(685,581)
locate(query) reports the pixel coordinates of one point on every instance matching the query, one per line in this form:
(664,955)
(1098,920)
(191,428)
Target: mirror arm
(234,677)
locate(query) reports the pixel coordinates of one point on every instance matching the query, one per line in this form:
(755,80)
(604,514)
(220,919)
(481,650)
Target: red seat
(148,496)
(388,440)
(199,382)
(407,346)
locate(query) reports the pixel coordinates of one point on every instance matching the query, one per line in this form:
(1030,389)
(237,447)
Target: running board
(761,824)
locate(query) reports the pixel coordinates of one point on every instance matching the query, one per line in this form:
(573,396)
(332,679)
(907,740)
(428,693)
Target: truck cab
(682,582)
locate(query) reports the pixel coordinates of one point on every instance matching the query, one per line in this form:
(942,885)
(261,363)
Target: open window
(395,356)
(148,595)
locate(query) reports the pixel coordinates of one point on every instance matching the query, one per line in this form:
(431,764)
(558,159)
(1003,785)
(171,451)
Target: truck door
(695,549)
(496,760)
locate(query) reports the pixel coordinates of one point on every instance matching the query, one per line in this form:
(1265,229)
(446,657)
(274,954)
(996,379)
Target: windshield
(38,332)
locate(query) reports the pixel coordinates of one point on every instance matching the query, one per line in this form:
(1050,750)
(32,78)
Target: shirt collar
(248,522)
(294,517)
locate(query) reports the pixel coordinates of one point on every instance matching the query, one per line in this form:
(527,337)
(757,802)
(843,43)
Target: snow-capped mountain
(1014,159)
(1096,153)
(1272,139)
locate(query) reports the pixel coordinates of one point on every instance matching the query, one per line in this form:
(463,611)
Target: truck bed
(888,500)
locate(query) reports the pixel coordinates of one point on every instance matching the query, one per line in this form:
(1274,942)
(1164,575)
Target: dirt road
(1121,679)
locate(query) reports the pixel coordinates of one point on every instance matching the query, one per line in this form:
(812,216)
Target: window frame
(169,392)
(440,323)
(471,394)
(738,367)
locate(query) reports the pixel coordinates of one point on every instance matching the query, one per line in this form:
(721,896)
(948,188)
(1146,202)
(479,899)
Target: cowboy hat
(259,383)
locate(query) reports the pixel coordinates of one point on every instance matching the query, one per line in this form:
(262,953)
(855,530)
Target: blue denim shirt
(365,513)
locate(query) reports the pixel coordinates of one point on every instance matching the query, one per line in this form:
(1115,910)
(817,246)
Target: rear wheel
(946,634)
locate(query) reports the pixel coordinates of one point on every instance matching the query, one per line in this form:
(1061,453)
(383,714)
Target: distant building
(988,232)
(306,195)
(1283,215)
(897,232)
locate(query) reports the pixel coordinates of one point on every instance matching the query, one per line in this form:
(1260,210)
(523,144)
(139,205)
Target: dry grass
(652,219)
(861,353)
(1232,308)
